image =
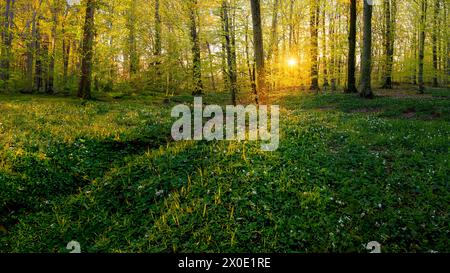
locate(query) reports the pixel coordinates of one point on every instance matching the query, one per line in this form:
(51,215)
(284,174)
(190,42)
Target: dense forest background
(171,46)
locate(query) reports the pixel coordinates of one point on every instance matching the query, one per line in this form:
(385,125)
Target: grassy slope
(107,175)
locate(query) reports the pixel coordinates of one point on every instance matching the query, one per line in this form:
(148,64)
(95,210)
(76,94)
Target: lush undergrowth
(107,175)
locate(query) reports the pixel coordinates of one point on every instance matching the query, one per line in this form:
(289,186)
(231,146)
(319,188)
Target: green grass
(107,174)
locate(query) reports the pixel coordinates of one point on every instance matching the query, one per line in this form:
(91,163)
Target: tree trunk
(231,71)
(38,65)
(422,45)
(434,39)
(51,72)
(366,67)
(389,39)
(324,49)
(291,24)
(31,47)
(84,90)
(250,67)
(196,57)
(211,66)
(314,73)
(274,34)
(259,51)
(351,64)
(7,37)
(132,43)
(158,41)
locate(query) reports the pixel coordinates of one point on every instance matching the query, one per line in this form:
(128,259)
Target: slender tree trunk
(314,73)
(66,54)
(422,45)
(414,58)
(65,48)
(231,71)
(30,53)
(84,90)
(7,37)
(366,68)
(389,39)
(211,66)
(434,39)
(196,57)
(259,51)
(158,41)
(332,36)
(324,45)
(351,65)
(250,67)
(447,42)
(291,24)
(51,72)
(274,33)
(38,63)
(132,43)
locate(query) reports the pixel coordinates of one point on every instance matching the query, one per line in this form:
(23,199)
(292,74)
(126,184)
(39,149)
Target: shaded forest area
(86,152)
(240,47)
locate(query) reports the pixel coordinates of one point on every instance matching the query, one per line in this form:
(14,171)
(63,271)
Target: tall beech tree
(84,89)
(314,31)
(351,61)
(7,37)
(230,50)
(366,65)
(259,51)
(196,53)
(390,12)
(422,27)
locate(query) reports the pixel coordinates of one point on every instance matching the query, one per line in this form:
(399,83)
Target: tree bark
(324,49)
(434,39)
(196,57)
(38,83)
(250,67)
(314,73)
(351,62)
(51,73)
(231,71)
(84,90)
(132,43)
(422,37)
(158,41)
(7,38)
(259,51)
(366,67)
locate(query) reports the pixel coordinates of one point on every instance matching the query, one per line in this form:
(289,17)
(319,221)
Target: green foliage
(107,175)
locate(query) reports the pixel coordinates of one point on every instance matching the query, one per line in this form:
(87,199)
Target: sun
(291,62)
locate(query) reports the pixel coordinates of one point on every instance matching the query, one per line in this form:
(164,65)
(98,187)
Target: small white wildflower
(159,193)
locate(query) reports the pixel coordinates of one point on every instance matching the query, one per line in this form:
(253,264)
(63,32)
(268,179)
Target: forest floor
(106,174)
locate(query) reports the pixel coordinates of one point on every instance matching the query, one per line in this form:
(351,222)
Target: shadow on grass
(35,179)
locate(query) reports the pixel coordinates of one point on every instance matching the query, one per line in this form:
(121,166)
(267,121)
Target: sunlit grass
(106,174)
